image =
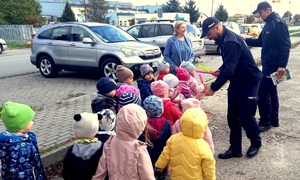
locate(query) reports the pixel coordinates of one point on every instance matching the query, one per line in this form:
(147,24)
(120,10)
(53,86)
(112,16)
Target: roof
(53,9)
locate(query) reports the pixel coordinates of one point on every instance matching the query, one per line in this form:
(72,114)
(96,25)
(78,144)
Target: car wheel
(1,48)
(108,68)
(47,67)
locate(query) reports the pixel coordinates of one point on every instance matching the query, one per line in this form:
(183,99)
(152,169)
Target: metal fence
(16,33)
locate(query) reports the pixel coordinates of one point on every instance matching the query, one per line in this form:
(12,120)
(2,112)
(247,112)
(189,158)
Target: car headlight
(132,52)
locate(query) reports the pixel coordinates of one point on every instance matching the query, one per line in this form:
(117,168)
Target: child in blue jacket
(19,152)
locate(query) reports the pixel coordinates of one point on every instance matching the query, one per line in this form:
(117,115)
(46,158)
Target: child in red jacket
(163,69)
(171,112)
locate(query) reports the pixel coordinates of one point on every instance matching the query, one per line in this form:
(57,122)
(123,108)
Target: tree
(68,14)
(221,13)
(287,15)
(250,19)
(20,12)
(190,8)
(297,17)
(97,10)
(172,6)
(147,10)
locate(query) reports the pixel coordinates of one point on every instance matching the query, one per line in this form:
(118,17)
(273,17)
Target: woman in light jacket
(178,48)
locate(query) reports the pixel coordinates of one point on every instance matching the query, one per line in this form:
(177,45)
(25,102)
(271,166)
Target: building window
(120,23)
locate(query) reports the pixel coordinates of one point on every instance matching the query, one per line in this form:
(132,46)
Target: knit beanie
(183,75)
(153,105)
(162,65)
(189,103)
(129,98)
(126,88)
(85,125)
(171,80)
(188,66)
(145,69)
(159,88)
(16,116)
(123,73)
(106,85)
(108,120)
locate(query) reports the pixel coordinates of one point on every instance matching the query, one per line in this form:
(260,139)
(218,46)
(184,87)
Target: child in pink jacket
(176,128)
(185,79)
(125,157)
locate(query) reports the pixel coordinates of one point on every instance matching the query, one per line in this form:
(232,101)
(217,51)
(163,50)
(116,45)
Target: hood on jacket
(86,150)
(194,123)
(131,122)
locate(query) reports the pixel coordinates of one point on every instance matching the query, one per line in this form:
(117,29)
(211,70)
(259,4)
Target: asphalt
(57,100)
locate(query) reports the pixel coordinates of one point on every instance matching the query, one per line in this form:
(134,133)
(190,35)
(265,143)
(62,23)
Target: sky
(232,6)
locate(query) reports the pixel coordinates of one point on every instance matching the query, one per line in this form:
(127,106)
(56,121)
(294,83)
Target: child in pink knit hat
(186,80)
(193,103)
(171,112)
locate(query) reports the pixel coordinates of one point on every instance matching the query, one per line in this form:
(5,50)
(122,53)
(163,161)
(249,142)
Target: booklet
(285,77)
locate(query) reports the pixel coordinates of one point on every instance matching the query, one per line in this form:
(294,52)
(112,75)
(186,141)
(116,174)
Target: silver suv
(158,33)
(91,47)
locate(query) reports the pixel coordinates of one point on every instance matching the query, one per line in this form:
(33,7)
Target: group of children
(151,132)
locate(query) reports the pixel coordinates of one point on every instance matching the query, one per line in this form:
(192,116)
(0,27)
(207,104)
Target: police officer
(241,70)
(275,42)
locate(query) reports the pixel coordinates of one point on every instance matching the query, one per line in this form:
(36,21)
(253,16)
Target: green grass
(295,30)
(296,35)
(18,45)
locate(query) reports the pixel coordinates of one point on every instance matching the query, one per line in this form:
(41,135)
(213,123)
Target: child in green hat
(19,153)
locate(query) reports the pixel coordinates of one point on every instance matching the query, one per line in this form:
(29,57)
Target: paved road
(57,100)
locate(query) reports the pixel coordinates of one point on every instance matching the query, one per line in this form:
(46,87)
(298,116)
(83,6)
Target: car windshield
(111,34)
(192,29)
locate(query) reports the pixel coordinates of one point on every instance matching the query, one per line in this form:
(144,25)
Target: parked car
(159,32)
(210,45)
(3,45)
(251,29)
(89,46)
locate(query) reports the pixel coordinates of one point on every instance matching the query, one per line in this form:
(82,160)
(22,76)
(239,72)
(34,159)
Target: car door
(57,45)
(165,31)
(148,33)
(79,53)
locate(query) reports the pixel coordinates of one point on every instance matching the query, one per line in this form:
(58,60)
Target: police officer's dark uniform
(241,70)
(275,42)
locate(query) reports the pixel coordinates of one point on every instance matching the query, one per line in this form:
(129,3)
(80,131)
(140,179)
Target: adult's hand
(209,92)
(280,72)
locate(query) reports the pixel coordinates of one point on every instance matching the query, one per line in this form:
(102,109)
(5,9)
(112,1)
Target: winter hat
(129,98)
(188,66)
(171,80)
(108,120)
(183,75)
(132,120)
(159,88)
(145,69)
(153,105)
(189,103)
(106,85)
(16,116)
(162,65)
(126,88)
(194,123)
(123,73)
(85,125)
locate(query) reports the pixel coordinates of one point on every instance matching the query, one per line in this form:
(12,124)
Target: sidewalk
(56,102)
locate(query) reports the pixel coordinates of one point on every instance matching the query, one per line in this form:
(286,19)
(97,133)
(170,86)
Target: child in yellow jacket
(188,154)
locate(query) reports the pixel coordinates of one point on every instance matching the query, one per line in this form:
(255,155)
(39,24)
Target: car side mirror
(87,40)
